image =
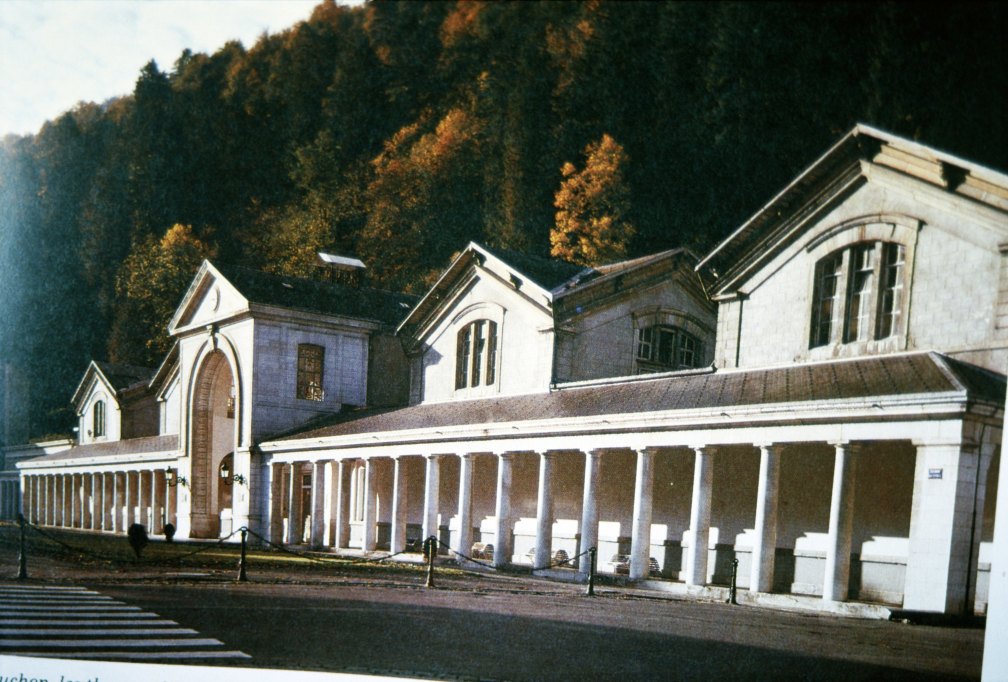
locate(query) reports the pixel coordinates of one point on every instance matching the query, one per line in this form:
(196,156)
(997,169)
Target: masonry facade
(819,398)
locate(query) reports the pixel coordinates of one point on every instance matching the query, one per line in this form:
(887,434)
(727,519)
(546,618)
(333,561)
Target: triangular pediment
(93,381)
(209,299)
(475,266)
(865,155)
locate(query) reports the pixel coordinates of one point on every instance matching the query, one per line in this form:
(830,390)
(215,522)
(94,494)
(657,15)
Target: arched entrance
(213,440)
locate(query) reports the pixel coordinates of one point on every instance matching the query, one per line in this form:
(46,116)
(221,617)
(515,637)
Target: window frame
(662,347)
(309,378)
(99,419)
(477,343)
(867,307)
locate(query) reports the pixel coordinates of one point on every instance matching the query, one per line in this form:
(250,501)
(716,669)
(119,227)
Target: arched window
(858,294)
(476,355)
(98,419)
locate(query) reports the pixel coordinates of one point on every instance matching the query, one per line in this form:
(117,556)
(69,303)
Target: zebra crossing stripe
(148,620)
(112,607)
(78,614)
(100,631)
(96,643)
(71,622)
(149,655)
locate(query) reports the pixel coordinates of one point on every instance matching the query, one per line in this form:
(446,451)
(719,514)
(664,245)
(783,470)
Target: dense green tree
(150,285)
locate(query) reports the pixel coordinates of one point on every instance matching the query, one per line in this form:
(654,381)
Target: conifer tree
(592,206)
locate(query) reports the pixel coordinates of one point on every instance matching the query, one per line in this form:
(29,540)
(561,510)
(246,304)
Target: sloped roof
(548,273)
(91,451)
(329,298)
(870,377)
(836,170)
(119,377)
(122,376)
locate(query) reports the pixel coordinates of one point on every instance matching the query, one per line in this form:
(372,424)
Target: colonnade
(334,486)
(10,499)
(109,501)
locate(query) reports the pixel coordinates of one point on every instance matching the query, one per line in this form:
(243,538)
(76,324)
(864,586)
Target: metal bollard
(591,572)
(734,578)
(241,564)
(430,549)
(22,555)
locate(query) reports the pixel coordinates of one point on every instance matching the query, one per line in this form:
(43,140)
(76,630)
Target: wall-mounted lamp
(173,479)
(225,474)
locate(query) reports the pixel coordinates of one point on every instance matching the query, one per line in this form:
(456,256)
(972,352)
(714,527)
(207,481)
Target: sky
(56,53)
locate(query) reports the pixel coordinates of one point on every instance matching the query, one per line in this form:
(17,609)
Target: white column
(118,489)
(144,479)
(502,535)
(941,517)
(59,499)
(765,543)
(276,494)
(62,497)
(318,522)
(544,513)
(837,575)
(342,513)
(108,490)
(76,501)
(293,488)
(640,542)
(399,501)
(589,507)
(328,503)
(51,500)
(700,510)
(432,494)
(369,539)
(158,495)
(463,543)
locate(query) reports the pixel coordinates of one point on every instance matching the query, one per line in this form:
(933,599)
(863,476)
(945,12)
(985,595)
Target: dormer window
(309,372)
(858,294)
(476,355)
(98,419)
(667,347)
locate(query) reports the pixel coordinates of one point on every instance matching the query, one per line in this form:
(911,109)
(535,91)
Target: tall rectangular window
(463,354)
(476,355)
(860,286)
(891,290)
(98,427)
(824,298)
(309,372)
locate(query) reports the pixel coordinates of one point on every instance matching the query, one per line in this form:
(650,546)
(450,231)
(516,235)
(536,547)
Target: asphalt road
(555,633)
(497,627)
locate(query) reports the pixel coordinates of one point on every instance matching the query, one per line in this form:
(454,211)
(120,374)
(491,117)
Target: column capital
(505,454)
(768,445)
(848,446)
(546,454)
(701,449)
(594,453)
(645,449)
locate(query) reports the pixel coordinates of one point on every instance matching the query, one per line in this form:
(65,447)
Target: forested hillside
(398,131)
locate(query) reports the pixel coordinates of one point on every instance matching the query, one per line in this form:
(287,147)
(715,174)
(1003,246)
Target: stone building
(821,397)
